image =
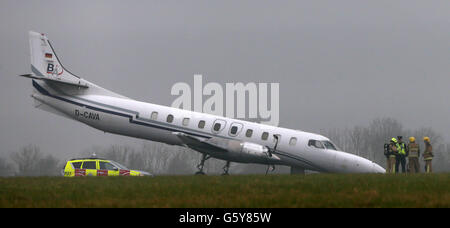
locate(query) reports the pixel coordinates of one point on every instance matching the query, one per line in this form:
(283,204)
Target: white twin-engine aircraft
(59,91)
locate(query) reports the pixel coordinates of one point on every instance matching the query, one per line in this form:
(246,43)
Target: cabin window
(201,124)
(234,130)
(76,165)
(154,115)
(185,121)
(249,133)
(89,165)
(315,143)
(265,135)
(106,165)
(169,118)
(217,126)
(293,141)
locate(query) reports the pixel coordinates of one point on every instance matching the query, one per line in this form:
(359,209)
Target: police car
(98,167)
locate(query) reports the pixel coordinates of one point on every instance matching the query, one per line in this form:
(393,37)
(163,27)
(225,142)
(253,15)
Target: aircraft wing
(229,149)
(199,144)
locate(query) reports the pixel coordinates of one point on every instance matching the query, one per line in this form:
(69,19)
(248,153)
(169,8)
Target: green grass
(254,191)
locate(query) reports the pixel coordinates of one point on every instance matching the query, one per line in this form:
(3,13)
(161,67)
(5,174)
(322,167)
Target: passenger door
(108,169)
(90,167)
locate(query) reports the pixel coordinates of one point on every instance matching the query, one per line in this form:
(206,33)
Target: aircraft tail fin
(47,67)
(44,61)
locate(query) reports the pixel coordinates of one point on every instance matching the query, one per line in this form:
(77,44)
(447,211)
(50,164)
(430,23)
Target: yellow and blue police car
(98,167)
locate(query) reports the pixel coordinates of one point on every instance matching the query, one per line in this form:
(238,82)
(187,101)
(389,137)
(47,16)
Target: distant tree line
(30,161)
(161,159)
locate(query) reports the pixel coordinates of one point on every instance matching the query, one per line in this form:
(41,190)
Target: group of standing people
(396,152)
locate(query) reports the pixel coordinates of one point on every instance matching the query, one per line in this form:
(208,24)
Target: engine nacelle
(231,150)
(254,149)
(251,151)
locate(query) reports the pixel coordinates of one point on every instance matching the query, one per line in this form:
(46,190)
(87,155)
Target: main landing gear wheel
(268,166)
(202,164)
(226,168)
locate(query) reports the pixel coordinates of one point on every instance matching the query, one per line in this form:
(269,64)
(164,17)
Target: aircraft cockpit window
(316,144)
(329,145)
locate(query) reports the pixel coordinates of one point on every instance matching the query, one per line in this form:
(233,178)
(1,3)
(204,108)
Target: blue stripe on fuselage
(130,117)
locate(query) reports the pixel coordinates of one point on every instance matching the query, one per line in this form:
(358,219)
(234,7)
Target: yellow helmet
(426,138)
(394,140)
(412,139)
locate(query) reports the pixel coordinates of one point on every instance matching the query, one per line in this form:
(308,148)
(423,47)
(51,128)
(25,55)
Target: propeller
(276,137)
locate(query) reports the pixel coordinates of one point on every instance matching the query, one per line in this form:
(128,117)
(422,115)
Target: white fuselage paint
(120,115)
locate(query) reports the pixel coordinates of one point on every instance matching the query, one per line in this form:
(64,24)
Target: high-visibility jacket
(414,150)
(428,154)
(394,149)
(401,148)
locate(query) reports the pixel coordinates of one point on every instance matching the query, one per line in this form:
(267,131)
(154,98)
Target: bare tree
(48,166)
(357,139)
(31,162)
(26,160)
(6,169)
(340,138)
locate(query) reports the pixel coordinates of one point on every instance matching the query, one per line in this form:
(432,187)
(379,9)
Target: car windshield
(329,145)
(120,166)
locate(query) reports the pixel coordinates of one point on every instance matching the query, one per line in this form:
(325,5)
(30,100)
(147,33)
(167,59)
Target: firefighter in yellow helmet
(428,154)
(392,152)
(413,156)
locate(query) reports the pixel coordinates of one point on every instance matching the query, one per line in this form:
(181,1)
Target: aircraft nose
(350,163)
(370,166)
(377,169)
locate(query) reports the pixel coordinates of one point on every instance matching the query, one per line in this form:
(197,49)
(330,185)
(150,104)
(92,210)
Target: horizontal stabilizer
(77,83)
(41,105)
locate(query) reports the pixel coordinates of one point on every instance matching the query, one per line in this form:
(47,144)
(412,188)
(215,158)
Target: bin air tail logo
(54,70)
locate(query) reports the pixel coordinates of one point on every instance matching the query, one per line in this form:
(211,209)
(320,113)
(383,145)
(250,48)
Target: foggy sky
(339,63)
